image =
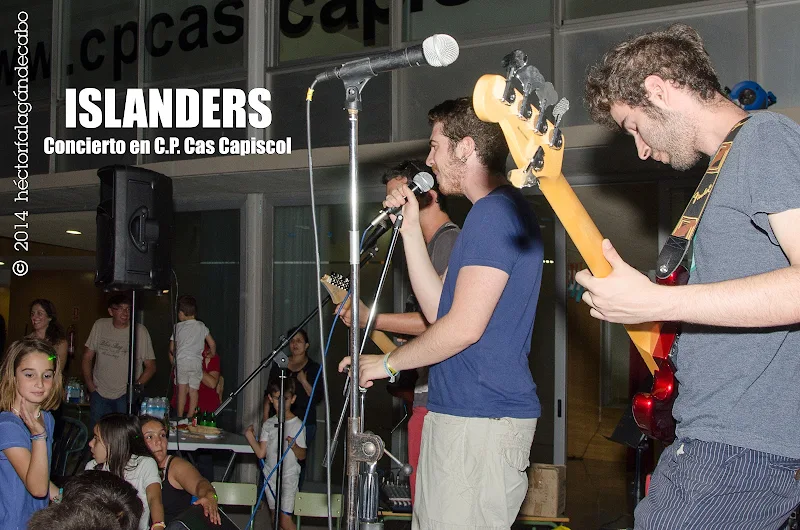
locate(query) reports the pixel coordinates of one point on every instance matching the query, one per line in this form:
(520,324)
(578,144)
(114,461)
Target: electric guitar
(338,286)
(537,147)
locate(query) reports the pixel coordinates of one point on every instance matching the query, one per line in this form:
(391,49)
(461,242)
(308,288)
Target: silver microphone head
(440,50)
(424,181)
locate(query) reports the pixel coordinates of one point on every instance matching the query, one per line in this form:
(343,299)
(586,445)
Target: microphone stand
(282,362)
(346,392)
(365,449)
(131,394)
(353,84)
(371,250)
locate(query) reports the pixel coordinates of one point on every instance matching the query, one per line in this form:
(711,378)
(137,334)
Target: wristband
(40,436)
(389,370)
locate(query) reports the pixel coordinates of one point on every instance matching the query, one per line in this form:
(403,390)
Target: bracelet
(389,370)
(60,495)
(40,436)
(160,524)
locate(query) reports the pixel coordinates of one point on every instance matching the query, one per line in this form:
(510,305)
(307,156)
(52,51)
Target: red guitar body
(653,410)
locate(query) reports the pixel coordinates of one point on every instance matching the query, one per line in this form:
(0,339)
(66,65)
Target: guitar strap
(674,250)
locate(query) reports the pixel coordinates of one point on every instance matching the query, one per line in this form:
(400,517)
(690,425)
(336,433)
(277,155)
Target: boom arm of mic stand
(371,250)
(269,358)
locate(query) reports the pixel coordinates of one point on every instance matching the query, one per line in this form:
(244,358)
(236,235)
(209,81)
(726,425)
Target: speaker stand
(132,355)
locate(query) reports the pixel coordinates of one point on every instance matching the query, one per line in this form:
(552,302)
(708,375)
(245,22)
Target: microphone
(436,50)
(421,183)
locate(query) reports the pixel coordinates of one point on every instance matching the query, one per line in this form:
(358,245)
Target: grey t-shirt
(439,248)
(738,386)
(111,347)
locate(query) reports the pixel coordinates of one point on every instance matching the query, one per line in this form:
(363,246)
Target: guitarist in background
(736,461)
(440,234)
(482,399)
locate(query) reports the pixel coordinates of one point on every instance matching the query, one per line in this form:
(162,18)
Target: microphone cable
(323,367)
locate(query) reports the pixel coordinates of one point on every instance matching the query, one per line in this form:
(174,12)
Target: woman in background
(47,327)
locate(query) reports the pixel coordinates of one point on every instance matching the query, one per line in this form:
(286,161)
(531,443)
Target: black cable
(309,95)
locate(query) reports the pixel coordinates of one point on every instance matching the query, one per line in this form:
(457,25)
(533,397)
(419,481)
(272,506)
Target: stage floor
(597,499)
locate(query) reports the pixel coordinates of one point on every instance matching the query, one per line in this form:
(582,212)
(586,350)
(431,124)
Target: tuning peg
(515,60)
(537,161)
(560,108)
(511,63)
(531,80)
(546,94)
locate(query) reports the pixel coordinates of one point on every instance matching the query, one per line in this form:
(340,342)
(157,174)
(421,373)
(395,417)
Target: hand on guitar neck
(338,287)
(346,313)
(625,296)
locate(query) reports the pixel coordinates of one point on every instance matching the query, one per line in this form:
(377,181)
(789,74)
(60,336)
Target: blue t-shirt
(16,504)
(492,378)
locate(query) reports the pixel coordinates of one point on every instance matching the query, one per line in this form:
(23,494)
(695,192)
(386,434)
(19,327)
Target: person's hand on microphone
(403,197)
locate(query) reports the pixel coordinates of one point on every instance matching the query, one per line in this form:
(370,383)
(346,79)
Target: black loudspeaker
(134,229)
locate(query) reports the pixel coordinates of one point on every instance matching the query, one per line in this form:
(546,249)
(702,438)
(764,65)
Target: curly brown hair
(459,120)
(674,54)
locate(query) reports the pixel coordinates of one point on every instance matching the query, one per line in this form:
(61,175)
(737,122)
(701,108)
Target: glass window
(199,134)
(39,15)
(38,129)
(294,297)
(191,37)
(75,162)
(329,125)
(422,18)
(100,43)
(723,33)
(589,8)
(422,88)
(205,259)
(778,50)
(317,28)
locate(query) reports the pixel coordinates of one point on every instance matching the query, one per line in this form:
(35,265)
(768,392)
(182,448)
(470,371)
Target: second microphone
(421,183)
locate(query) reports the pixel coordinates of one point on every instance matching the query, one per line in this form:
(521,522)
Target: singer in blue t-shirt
(483,405)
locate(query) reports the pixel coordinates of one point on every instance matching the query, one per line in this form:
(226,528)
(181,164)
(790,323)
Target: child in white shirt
(267,447)
(191,336)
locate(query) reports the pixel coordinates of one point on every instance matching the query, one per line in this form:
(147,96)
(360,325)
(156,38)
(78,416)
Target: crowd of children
(121,486)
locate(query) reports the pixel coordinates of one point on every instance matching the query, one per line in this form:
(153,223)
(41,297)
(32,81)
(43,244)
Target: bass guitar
(537,147)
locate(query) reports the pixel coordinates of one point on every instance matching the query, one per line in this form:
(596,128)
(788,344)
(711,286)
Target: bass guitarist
(736,461)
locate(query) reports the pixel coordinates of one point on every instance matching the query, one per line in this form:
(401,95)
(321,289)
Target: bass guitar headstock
(536,143)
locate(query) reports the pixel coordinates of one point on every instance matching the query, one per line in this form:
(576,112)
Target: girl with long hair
(30,386)
(118,447)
